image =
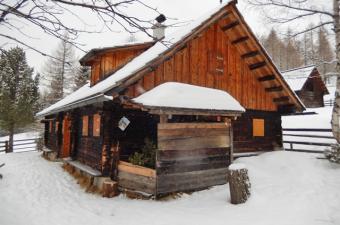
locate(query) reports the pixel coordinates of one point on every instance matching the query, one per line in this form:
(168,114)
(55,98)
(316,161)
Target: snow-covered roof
(135,64)
(144,62)
(297,77)
(185,96)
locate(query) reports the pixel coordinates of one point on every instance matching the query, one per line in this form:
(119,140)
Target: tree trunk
(238,183)
(11,139)
(336,108)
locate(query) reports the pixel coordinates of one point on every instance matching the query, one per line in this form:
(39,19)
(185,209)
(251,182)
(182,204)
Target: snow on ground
(287,189)
(26,145)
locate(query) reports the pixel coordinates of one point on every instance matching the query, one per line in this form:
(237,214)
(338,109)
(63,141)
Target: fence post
(6,147)
(291,146)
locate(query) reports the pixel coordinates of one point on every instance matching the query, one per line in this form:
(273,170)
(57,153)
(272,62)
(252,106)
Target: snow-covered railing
(21,145)
(307,139)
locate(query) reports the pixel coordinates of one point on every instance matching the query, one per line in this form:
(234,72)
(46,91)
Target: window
(96,125)
(258,127)
(56,127)
(51,127)
(85,130)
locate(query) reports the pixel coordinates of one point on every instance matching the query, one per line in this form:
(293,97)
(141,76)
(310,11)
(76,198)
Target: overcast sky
(183,10)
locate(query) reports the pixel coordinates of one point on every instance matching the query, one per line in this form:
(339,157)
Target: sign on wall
(123,123)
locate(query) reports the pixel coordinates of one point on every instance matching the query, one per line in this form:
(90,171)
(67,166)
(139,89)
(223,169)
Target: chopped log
(239,183)
(110,189)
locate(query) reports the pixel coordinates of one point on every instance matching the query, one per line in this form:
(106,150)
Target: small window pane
(85,130)
(258,127)
(96,125)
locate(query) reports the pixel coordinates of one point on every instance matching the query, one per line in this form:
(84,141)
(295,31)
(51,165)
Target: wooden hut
(307,84)
(185,93)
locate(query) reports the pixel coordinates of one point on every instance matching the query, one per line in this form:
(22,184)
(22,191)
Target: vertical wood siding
(211,60)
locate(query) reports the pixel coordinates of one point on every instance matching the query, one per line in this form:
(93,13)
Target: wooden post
(163,118)
(110,189)
(238,183)
(6,147)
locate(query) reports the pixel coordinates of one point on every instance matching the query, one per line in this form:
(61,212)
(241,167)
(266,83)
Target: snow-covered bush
(333,154)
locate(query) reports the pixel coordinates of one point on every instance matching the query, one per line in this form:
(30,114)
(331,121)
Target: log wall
(54,138)
(244,141)
(89,148)
(191,156)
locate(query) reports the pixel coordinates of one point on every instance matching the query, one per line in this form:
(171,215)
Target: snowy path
(287,189)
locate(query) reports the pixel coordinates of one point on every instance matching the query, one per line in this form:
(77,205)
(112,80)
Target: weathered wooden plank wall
(191,156)
(244,141)
(211,60)
(136,178)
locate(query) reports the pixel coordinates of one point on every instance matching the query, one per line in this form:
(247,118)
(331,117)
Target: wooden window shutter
(258,127)
(96,125)
(85,129)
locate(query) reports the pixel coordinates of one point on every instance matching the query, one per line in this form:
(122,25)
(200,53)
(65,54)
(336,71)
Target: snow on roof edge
(186,96)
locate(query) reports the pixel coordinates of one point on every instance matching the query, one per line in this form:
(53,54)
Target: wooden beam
(230,25)
(240,40)
(266,78)
(257,65)
(281,99)
(250,54)
(274,89)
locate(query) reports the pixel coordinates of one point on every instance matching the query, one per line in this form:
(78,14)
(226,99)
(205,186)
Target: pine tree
(293,56)
(19,92)
(58,74)
(81,77)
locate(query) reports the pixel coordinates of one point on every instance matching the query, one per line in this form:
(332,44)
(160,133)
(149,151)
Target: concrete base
(50,155)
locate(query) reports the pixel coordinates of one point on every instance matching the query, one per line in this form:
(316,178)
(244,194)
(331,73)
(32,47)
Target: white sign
(123,123)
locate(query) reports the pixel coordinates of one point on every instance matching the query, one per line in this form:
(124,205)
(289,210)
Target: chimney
(159,28)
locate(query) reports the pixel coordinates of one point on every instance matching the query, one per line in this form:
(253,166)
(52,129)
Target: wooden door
(66,131)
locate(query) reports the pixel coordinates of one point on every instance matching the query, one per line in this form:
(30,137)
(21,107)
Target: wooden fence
(329,102)
(21,145)
(323,140)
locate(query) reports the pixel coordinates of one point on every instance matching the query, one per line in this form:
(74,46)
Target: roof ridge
(298,68)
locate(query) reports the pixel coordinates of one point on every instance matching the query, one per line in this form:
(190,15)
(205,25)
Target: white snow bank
(237,166)
(287,188)
(179,95)
(322,119)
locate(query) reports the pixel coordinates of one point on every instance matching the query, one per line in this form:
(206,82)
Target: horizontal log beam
(230,25)
(266,78)
(240,40)
(274,89)
(250,54)
(281,99)
(257,65)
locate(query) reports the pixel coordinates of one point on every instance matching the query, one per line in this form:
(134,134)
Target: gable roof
(161,50)
(297,77)
(175,96)
(124,46)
